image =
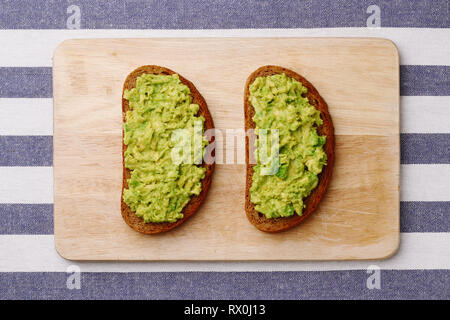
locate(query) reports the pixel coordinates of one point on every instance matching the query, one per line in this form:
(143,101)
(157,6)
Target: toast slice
(129,216)
(311,202)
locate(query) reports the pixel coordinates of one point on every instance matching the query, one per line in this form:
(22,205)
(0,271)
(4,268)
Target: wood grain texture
(358,218)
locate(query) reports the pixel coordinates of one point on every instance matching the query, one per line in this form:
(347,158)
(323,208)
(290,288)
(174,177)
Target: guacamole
(281,106)
(159,188)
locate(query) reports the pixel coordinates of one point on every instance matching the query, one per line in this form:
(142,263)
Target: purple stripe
(25,82)
(395,284)
(26,218)
(221,14)
(425,148)
(432,216)
(26,151)
(36,82)
(424,80)
(38,218)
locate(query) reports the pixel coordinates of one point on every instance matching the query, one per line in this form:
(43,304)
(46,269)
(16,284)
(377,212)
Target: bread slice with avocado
(162,195)
(279,202)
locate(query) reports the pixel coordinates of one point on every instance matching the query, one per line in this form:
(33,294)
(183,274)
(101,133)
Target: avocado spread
(160,188)
(280,104)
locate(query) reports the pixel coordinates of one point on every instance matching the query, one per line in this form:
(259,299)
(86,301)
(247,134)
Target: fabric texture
(30,267)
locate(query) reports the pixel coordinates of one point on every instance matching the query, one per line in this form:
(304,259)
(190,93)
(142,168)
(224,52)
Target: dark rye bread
(129,216)
(259,220)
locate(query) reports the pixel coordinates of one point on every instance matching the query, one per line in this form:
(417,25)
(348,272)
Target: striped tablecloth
(29,265)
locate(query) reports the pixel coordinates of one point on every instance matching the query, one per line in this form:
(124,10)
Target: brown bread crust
(129,216)
(312,201)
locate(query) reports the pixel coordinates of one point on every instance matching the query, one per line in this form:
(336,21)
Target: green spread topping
(280,104)
(159,188)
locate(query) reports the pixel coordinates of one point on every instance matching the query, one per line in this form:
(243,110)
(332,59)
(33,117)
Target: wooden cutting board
(359,215)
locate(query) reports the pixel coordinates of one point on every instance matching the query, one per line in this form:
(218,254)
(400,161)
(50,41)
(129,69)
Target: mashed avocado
(159,188)
(280,103)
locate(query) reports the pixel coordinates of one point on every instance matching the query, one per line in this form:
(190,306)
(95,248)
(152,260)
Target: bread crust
(311,202)
(128,215)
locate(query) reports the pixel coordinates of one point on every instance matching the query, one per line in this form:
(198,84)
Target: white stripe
(35,184)
(36,253)
(22,117)
(421,46)
(423,114)
(425,182)
(26,185)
